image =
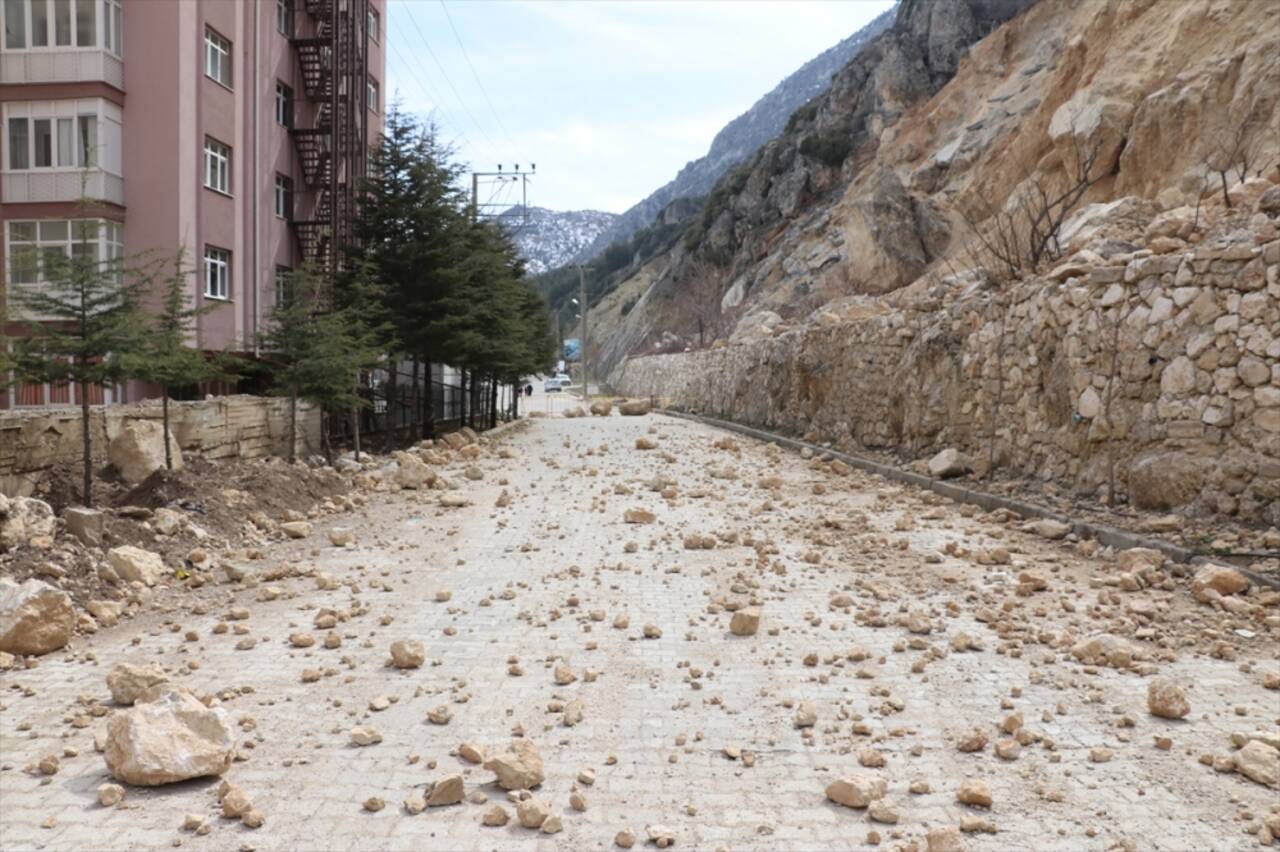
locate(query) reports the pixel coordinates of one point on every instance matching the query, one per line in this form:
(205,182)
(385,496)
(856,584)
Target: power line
(435,100)
(474,74)
(461,101)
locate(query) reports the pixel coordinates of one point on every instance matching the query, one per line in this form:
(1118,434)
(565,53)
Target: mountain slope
(740,138)
(551,238)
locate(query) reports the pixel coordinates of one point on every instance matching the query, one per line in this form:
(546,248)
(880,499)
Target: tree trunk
(1226,198)
(164,419)
(389,419)
(429,408)
(293,425)
(995,403)
(493,402)
(462,399)
(414,402)
(87,492)
(324,437)
(355,432)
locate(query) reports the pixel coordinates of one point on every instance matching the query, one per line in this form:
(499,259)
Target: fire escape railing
(332,147)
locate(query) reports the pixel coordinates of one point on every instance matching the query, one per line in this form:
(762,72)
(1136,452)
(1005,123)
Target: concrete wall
(247,427)
(1194,417)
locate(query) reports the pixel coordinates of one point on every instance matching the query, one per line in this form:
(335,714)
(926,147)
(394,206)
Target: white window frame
(217,273)
(373,93)
(284,197)
(284,104)
(284,17)
(217,166)
(217,57)
(373,23)
(112,24)
(109,242)
(103,23)
(95,149)
(282,274)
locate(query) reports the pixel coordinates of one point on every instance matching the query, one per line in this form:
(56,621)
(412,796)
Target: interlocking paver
(562,536)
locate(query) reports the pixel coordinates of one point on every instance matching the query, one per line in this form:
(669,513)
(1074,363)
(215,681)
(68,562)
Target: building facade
(235,131)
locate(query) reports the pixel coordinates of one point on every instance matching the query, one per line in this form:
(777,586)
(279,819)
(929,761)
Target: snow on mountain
(551,238)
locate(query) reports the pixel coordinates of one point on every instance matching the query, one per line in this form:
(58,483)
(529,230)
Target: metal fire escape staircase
(333,150)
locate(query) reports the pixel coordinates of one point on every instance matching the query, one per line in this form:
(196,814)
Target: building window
(217,166)
(374,25)
(217,57)
(15,24)
(284,17)
(34,248)
(87,149)
(19,144)
(284,197)
(284,105)
(282,283)
(217,273)
(372,94)
(86,31)
(55,23)
(53,142)
(112,27)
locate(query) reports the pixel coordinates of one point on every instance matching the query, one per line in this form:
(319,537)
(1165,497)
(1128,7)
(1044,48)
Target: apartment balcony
(39,185)
(62,65)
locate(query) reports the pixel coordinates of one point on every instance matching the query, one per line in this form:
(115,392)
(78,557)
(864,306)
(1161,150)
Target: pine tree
(411,222)
(81,325)
(316,350)
(164,358)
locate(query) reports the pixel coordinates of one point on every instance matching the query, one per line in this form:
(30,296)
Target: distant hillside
(740,138)
(551,238)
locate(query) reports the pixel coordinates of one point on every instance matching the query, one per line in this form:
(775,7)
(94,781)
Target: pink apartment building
(234,129)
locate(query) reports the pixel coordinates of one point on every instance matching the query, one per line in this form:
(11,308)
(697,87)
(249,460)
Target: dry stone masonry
(1167,362)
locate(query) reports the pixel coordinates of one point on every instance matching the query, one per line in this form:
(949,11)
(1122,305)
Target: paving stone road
(524,582)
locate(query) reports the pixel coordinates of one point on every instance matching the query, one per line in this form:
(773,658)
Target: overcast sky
(610,99)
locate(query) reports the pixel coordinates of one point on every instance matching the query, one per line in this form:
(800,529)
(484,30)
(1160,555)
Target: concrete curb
(1110,536)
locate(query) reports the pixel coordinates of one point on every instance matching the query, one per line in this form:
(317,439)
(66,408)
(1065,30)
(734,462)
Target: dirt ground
(219,498)
(868,592)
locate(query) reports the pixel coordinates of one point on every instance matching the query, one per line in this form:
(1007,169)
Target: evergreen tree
(81,325)
(411,218)
(316,350)
(164,358)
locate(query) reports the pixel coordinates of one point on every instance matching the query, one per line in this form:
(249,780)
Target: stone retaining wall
(248,427)
(1189,410)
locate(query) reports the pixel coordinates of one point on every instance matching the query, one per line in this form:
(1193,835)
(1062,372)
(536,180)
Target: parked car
(556,383)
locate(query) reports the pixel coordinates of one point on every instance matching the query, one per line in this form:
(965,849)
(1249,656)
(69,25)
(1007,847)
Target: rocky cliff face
(548,239)
(1144,339)
(740,138)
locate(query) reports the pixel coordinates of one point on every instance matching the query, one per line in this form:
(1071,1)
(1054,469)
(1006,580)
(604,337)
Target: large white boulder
(950,462)
(129,682)
(517,768)
(132,564)
(171,738)
(35,618)
(138,451)
(412,472)
(22,519)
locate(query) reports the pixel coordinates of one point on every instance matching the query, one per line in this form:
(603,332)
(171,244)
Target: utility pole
(501,177)
(582,296)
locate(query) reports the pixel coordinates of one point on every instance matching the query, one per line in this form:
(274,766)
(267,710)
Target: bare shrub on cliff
(1013,241)
(699,298)
(1235,152)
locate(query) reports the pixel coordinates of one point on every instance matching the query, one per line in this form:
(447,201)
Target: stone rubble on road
(593,591)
